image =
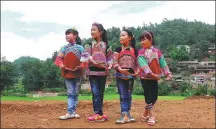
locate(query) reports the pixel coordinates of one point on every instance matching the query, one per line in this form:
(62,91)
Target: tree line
(35,74)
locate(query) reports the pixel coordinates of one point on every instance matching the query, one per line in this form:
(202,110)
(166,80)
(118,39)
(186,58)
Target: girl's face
(146,43)
(95,33)
(70,37)
(124,38)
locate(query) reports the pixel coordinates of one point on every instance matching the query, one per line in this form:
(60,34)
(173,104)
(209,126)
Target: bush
(113,83)
(54,89)
(138,90)
(188,92)
(174,94)
(9,93)
(201,90)
(85,91)
(62,94)
(111,90)
(164,88)
(213,92)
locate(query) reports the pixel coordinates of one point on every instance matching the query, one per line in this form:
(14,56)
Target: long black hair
(133,40)
(75,32)
(104,33)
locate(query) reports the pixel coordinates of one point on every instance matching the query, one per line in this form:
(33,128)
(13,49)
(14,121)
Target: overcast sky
(36,28)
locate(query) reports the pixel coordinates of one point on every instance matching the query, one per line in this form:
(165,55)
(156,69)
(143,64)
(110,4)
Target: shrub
(111,90)
(164,88)
(213,92)
(62,94)
(201,90)
(85,91)
(54,89)
(113,83)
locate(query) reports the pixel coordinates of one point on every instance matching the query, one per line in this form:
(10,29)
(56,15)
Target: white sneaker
(69,116)
(75,115)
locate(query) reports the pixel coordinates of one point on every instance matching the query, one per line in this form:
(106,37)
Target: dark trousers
(97,88)
(150,88)
(125,88)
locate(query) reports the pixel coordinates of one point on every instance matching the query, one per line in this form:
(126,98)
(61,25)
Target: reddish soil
(189,113)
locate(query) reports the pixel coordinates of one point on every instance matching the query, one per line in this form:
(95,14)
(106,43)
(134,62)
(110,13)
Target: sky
(37,28)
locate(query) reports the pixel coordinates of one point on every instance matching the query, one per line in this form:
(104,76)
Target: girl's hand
(155,76)
(135,74)
(124,71)
(62,66)
(169,77)
(98,65)
(109,67)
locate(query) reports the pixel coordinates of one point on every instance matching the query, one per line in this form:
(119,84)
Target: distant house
(194,50)
(213,63)
(205,67)
(200,67)
(187,47)
(189,63)
(211,49)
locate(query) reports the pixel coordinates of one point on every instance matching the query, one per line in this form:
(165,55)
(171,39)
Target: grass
(83,97)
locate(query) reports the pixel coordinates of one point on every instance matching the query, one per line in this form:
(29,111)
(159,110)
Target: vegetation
(84,97)
(28,74)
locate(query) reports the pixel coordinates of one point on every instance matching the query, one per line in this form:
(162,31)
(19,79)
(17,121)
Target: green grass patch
(84,97)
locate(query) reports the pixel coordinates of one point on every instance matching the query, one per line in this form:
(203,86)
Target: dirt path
(192,113)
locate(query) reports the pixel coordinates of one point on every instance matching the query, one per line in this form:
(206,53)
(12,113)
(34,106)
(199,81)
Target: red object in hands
(84,64)
(155,67)
(58,61)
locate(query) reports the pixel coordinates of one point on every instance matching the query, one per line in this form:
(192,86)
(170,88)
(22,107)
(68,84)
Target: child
(100,60)
(73,40)
(152,66)
(126,68)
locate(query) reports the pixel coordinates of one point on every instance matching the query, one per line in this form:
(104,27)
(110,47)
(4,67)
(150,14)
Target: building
(204,68)
(194,50)
(206,63)
(199,78)
(211,49)
(200,67)
(188,63)
(187,47)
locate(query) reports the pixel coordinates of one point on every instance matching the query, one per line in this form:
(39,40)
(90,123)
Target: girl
(126,68)
(71,83)
(100,60)
(152,66)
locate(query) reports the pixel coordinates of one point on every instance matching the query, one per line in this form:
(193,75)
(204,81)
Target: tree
(32,75)
(180,54)
(9,74)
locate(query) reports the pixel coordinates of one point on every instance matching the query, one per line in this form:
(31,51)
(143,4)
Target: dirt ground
(189,113)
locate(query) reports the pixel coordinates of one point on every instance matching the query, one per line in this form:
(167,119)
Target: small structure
(199,78)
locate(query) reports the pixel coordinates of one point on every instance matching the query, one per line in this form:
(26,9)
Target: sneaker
(145,118)
(69,116)
(151,121)
(96,118)
(131,118)
(105,117)
(124,119)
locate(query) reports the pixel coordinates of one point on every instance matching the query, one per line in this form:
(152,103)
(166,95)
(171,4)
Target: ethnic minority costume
(125,58)
(151,61)
(71,83)
(97,76)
